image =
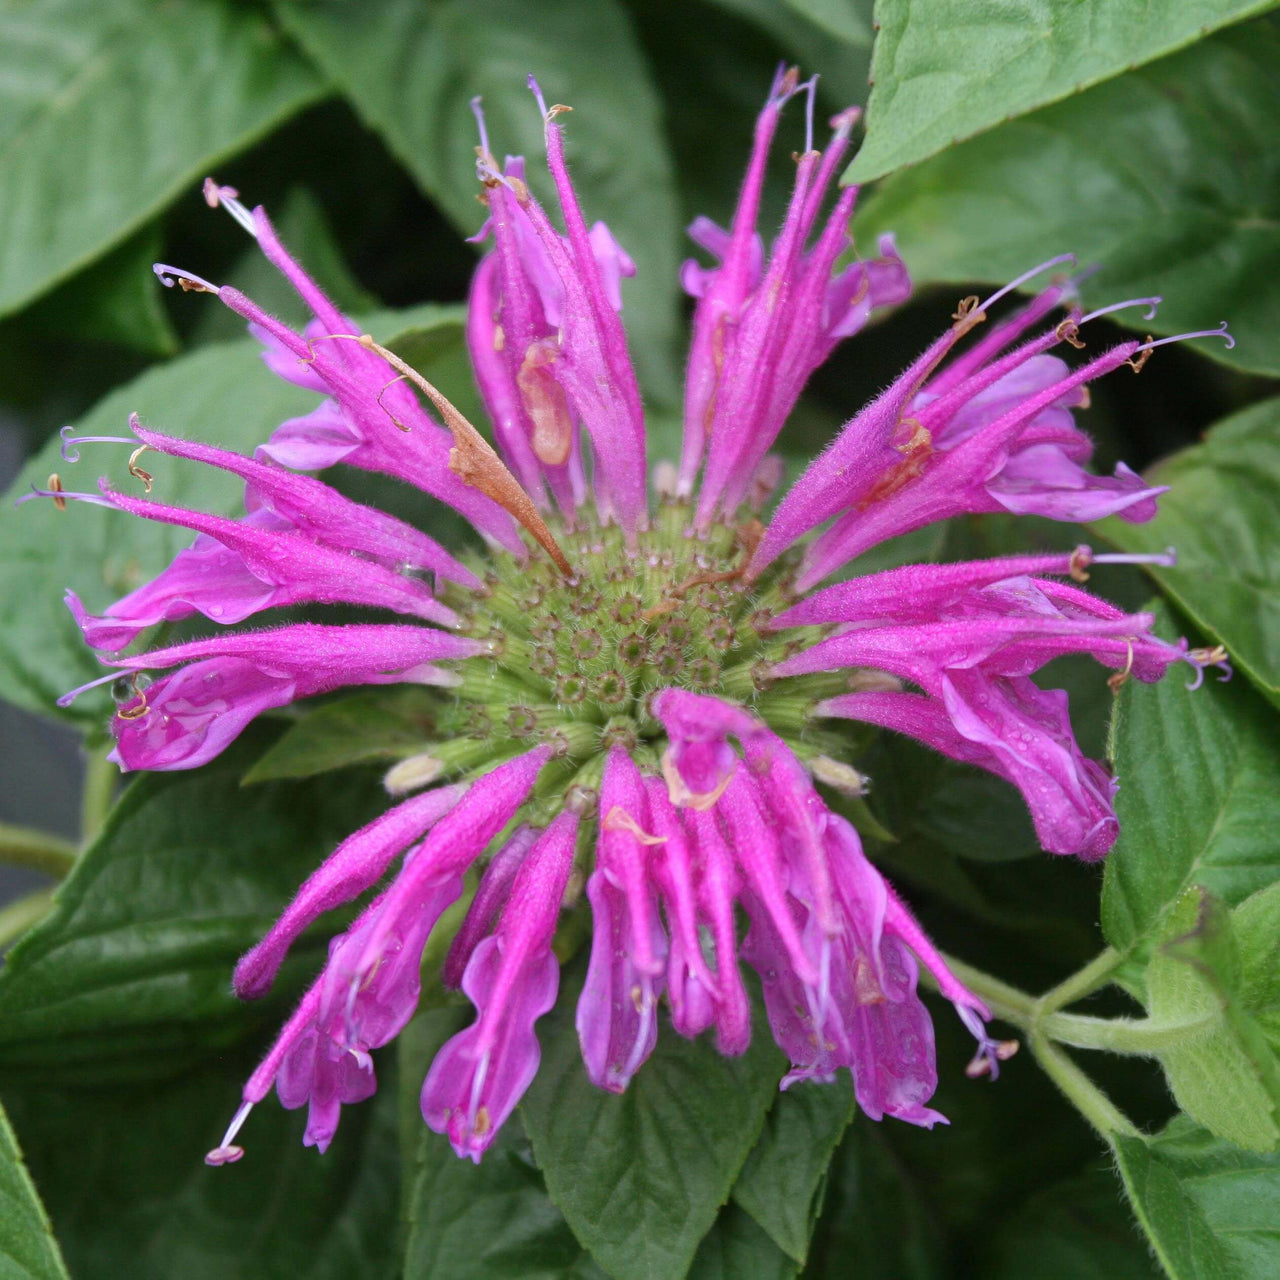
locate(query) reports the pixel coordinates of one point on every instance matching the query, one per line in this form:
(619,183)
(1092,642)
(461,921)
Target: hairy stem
(19,916)
(100,780)
(23,847)
(1124,1035)
(1097,973)
(1079,1090)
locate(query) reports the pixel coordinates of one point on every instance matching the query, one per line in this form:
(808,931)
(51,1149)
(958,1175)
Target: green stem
(19,916)
(20,846)
(1079,1090)
(1005,1001)
(1097,973)
(1124,1035)
(100,778)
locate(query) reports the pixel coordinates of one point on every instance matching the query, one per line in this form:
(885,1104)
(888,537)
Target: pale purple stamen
(226,1152)
(69,440)
(811,88)
(537,95)
(1023,278)
(1150,303)
(1220,332)
(1168,558)
(169,276)
(226,197)
(477,110)
(68,698)
(68,495)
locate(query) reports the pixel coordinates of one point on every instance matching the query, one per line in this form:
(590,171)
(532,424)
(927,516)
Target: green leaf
(737,1248)
(1196,802)
(378,724)
(1220,514)
(874,1217)
(804,29)
(1074,1230)
(1164,177)
(779,1184)
(110,111)
(28,1250)
(1220,1067)
(640,1176)
(1256,925)
(948,70)
(491,1221)
(116,300)
(123,1174)
(221,394)
(129,975)
(411,71)
(1209,1209)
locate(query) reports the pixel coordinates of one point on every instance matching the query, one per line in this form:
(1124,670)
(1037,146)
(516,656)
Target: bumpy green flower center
(573,662)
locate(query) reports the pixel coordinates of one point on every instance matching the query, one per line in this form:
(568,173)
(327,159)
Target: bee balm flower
(647,693)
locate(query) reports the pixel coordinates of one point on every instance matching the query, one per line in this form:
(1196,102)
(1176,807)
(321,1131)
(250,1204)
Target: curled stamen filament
(1024,277)
(1219,332)
(69,440)
(169,276)
(1149,303)
(1215,656)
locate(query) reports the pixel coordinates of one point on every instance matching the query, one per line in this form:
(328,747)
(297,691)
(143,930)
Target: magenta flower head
(647,691)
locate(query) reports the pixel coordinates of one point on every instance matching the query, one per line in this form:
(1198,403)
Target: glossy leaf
(1164,198)
(640,1176)
(412,70)
(780,1183)
(221,394)
(1209,1209)
(1220,514)
(1196,802)
(948,70)
(129,975)
(123,1174)
(111,110)
(116,301)
(1221,1070)
(27,1247)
